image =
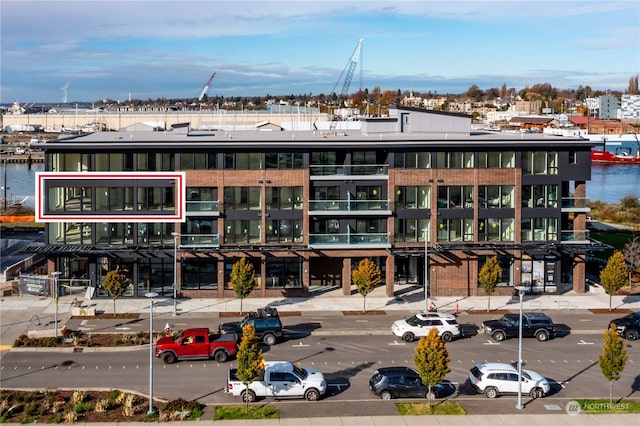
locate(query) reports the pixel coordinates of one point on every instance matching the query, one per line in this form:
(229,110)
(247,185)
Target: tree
(614,275)
(614,357)
(366,277)
(249,359)
(243,279)
(116,284)
(633,88)
(631,252)
(432,361)
(488,278)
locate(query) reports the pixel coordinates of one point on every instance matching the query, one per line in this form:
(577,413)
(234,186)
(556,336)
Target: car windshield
(301,372)
(632,316)
(414,320)
(508,321)
(178,336)
(526,376)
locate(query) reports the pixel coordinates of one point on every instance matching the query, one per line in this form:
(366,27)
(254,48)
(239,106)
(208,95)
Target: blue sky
(168,49)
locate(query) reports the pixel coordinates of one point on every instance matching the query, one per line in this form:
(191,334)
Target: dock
(29,158)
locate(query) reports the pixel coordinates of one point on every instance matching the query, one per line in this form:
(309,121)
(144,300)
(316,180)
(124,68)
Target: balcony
(575,204)
(574,236)
(203,208)
(349,241)
(349,207)
(199,241)
(359,172)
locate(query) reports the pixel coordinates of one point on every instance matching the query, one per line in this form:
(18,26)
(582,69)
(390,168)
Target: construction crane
(205,89)
(349,69)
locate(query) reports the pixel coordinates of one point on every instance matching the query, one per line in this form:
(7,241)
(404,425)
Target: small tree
(366,277)
(614,275)
(614,357)
(631,253)
(116,284)
(243,279)
(432,361)
(249,358)
(488,278)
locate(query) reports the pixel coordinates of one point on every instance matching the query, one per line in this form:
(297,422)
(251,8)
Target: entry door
(285,385)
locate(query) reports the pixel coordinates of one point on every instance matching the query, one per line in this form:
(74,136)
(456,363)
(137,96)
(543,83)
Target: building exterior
(305,207)
(608,107)
(630,105)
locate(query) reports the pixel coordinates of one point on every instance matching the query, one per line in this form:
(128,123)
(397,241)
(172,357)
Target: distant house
(529,123)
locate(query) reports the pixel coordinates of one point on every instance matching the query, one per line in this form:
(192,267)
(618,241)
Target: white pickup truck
(280,379)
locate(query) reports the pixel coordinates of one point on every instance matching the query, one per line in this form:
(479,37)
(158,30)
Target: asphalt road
(348,352)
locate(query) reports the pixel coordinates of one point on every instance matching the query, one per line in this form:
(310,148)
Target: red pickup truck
(197,343)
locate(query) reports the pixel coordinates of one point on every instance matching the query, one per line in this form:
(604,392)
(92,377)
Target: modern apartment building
(304,207)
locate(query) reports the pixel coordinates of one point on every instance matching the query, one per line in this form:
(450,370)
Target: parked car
(279,379)
(496,378)
(405,382)
(534,324)
(628,326)
(266,322)
(197,343)
(420,324)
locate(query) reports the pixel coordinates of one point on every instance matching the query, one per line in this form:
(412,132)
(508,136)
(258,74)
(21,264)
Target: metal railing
(349,170)
(348,205)
(203,206)
(575,235)
(349,239)
(199,240)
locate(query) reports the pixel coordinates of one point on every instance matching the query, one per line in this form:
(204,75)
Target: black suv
(534,324)
(266,322)
(628,326)
(404,382)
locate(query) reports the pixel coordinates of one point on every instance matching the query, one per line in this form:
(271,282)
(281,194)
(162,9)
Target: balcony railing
(574,203)
(366,170)
(373,239)
(199,240)
(574,236)
(204,207)
(348,205)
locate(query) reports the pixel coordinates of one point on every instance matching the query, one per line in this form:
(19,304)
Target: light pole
(176,235)
(426,270)
(519,405)
(150,296)
(55,274)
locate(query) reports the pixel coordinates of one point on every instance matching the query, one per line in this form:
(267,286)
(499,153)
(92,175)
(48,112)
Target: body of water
(609,183)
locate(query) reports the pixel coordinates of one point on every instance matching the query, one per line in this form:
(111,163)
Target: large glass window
(198,273)
(455,229)
(412,160)
(202,199)
(284,197)
(243,161)
(413,197)
(242,231)
(198,161)
(450,197)
(284,231)
(243,198)
(155,162)
(283,272)
(284,160)
(454,160)
(539,229)
(496,229)
(500,159)
(495,196)
(410,230)
(540,196)
(540,163)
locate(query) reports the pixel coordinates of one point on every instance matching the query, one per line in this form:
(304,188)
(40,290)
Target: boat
(621,154)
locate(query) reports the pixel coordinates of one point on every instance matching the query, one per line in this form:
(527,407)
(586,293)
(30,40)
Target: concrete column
(346,276)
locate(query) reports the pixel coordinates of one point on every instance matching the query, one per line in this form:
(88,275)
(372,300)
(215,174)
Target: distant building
(608,107)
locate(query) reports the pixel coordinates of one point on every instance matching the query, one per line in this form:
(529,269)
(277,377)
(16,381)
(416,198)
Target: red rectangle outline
(180,189)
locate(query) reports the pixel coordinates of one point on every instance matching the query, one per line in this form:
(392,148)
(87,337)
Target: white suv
(495,378)
(419,326)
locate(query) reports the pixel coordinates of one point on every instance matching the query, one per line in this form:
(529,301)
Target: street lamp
(176,235)
(150,296)
(55,274)
(519,405)
(426,269)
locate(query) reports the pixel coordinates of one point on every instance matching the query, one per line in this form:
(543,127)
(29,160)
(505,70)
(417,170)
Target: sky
(91,50)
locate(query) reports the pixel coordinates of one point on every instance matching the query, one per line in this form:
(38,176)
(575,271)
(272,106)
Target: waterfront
(609,183)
